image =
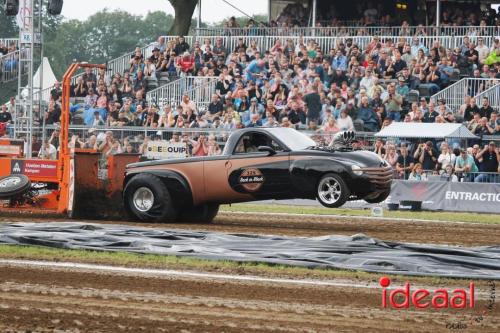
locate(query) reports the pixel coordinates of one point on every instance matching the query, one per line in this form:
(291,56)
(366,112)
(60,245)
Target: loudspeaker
(54,7)
(11,7)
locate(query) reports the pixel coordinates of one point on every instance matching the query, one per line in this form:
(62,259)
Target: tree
(184,10)
(8,27)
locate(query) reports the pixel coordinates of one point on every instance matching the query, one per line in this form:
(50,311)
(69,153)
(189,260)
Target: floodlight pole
(438,12)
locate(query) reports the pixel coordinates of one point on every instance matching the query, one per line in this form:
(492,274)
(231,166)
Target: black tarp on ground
(357,252)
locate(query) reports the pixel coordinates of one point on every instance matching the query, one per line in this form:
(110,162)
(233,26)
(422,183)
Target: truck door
(261,174)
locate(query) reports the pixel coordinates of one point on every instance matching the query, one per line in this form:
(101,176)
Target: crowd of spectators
(377,14)
(297,85)
(442,160)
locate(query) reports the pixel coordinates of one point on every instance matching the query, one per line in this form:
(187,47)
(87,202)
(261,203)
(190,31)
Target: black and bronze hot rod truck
(256,164)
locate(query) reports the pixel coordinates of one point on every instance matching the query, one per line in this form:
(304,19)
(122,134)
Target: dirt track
(43,300)
(36,300)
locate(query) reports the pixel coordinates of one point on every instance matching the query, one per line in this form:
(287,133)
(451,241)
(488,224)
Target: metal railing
(326,43)
(199,89)
(454,94)
(9,41)
(491,92)
(9,66)
(392,31)
(137,135)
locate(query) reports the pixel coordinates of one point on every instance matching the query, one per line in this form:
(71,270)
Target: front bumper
(373,180)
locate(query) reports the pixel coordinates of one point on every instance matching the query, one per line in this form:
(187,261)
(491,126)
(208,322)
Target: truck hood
(363,158)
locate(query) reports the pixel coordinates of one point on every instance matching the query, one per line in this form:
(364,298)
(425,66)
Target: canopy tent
(48,78)
(426,130)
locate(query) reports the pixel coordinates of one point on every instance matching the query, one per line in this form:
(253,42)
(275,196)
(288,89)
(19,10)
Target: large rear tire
(147,198)
(201,214)
(14,185)
(332,191)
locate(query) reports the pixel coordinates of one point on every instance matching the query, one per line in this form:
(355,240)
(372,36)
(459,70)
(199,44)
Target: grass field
(423,215)
(126,259)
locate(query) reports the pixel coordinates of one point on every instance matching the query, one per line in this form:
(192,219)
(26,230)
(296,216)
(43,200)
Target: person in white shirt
(446,157)
(368,80)
(344,122)
(48,151)
(482,50)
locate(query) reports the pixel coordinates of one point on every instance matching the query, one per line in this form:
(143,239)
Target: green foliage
(102,37)
(8,26)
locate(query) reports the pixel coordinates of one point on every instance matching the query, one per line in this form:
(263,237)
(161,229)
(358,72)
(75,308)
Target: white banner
(22,18)
(165,149)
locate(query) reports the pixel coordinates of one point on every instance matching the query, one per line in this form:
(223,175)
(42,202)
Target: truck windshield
(294,140)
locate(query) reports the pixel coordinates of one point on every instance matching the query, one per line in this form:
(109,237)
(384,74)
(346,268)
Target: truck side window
(249,143)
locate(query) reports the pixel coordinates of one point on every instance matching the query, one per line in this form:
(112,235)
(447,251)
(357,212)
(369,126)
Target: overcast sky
(212,10)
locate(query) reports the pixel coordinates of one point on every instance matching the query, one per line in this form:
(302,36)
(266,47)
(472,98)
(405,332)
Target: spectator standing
(404,163)
(488,159)
(393,103)
(313,103)
(426,156)
(446,157)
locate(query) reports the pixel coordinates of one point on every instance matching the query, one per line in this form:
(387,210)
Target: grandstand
(364,74)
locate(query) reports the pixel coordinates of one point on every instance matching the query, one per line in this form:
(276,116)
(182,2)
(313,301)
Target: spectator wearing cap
(402,89)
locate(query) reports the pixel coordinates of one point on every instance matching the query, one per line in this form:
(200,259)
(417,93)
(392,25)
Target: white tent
(48,78)
(426,130)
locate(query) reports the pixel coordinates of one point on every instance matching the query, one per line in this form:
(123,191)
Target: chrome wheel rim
(9,182)
(329,190)
(143,199)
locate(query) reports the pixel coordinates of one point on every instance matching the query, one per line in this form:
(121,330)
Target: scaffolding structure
(30,57)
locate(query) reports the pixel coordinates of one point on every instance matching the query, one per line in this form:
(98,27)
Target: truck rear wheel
(13,185)
(332,191)
(200,214)
(147,198)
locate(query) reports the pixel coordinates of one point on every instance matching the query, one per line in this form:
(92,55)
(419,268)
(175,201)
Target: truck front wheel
(332,191)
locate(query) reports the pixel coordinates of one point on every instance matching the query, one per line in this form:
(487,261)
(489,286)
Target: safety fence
(199,90)
(467,177)
(492,94)
(6,42)
(9,66)
(326,43)
(392,31)
(137,136)
(454,95)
